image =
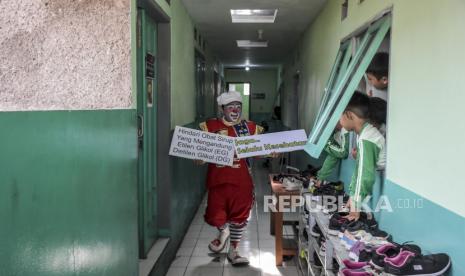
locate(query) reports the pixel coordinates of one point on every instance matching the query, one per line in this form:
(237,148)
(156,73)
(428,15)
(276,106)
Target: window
(347,72)
(340,67)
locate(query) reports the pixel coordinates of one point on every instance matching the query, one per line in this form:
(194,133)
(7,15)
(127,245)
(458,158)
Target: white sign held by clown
(284,141)
(199,145)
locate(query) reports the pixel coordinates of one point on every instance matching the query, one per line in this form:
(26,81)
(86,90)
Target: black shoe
(370,222)
(357,226)
(336,222)
(365,255)
(380,234)
(338,186)
(411,264)
(391,250)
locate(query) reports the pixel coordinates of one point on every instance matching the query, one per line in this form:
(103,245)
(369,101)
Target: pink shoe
(355,265)
(400,259)
(349,272)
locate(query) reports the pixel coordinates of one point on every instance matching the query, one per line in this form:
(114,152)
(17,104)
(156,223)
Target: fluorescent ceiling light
(253,16)
(251,43)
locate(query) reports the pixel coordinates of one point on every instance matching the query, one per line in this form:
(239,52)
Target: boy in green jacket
(371,154)
(337,148)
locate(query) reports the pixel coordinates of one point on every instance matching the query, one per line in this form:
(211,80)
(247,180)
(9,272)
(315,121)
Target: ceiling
(213,20)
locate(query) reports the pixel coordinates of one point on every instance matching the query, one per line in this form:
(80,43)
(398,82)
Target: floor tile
(176,271)
(213,261)
(185,251)
(252,254)
(242,271)
(180,261)
(257,244)
(189,242)
(278,271)
(201,250)
(204,271)
(195,228)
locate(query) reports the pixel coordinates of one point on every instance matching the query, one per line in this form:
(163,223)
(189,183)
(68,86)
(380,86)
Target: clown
(230,188)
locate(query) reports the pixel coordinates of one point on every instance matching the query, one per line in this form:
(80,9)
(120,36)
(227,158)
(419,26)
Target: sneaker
(217,245)
(346,226)
(350,272)
(336,222)
(356,226)
(380,234)
(409,263)
(365,255)
(338,186)
(355,250)
(355,265)
(235,259)
(391,250)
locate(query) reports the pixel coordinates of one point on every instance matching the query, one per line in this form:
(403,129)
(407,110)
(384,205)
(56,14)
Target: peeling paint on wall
(65,54)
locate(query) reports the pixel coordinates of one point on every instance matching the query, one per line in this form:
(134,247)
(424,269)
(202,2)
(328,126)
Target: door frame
(162,100)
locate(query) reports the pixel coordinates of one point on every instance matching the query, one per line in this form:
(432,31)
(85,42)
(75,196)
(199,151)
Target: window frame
(338,67)
(337,96)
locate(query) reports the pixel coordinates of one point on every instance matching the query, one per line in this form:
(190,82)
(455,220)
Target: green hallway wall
(68,194)
(183,94)
(424,98)
(187,180)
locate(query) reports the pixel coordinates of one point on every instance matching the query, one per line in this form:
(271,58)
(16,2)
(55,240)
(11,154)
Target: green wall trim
(433,227)
(68,193)
(414,218)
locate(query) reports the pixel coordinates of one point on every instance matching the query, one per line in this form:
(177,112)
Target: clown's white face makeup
(232,111)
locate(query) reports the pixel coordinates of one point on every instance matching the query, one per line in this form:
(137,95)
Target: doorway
(244,89)
(147,132)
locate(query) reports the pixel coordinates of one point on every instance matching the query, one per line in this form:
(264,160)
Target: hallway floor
(194,257)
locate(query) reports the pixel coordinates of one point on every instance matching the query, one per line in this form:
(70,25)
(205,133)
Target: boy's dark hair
(379,66)
(360,105)
(378,111)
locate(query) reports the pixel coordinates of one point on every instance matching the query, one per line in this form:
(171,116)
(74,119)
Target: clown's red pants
(229,203)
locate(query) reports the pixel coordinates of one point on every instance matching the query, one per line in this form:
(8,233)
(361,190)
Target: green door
(146,112)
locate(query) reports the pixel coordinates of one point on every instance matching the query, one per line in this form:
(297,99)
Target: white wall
(426,94)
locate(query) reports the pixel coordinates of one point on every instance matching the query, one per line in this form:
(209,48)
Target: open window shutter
(338,94)
(338,70)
